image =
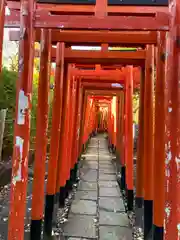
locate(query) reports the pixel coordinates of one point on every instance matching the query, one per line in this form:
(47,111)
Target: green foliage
(136,96)
(7,101)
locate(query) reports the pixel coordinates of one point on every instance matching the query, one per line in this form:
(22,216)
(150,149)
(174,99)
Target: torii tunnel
(93,98)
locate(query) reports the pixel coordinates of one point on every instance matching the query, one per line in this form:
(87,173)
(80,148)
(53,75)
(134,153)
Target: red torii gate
(171,103)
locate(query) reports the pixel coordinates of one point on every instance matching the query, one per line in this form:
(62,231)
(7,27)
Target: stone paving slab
(83,207)
(90,165)
(106,171)
(107,177)
(80,226)
(89,175)
(98,206)
(113,219)
(86,195)
(105,164)
(111,204)
(108,184)
(109,192)
(87,186)
(115,233)
(105,158)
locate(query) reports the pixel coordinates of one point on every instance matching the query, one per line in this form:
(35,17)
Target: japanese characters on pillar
(172,126)
(22,123)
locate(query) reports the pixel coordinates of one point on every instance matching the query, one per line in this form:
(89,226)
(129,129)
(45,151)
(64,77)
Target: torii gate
(167,95)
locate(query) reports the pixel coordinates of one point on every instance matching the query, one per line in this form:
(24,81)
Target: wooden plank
(44,20)
(70,36)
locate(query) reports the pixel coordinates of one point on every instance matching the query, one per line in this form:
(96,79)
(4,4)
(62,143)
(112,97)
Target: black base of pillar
(123,178)
(112,147)
(139,212)
(36,228)
(49,214)
(75,180)
(139,202)
(71,180)
(83,148)
(69,185)
(148,217)
(67,188)
(158,233)
(62,196)
(73,176)
(130,200)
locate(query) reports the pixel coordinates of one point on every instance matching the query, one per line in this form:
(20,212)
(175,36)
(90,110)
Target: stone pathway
(98,212)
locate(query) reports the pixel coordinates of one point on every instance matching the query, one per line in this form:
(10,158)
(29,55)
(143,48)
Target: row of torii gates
(87,80)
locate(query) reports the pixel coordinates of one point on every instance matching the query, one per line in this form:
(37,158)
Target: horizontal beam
(111,74)
(97,85)
(76,22)
(146,37)
(63,8)
(136,58)
(102,92)
(102,80)
(109,2)
(104,76)
(111,57)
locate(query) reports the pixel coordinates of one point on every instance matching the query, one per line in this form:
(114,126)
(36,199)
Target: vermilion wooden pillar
(69,132)
(118,126)
(140,157)
(114,124)
(83,114)
(2,17)
(41,138)
(80,103)
(75,132)
(22,124)
(63,140)
(129,137)
(72,126)
(159,141)
(148,140)
(172,124)
(54,142)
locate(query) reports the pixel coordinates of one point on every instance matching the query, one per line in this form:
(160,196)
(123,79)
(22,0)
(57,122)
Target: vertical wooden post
(172,126)
(129,137)
(22,123)
(41,138)
(74,165)
(54,142)
(79,121)
(72,126)
(101,8)
(83,114)
(118,126)
(140,157)
(148,140)
(62,145)
(159,141)
(69,134)
(2,17)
